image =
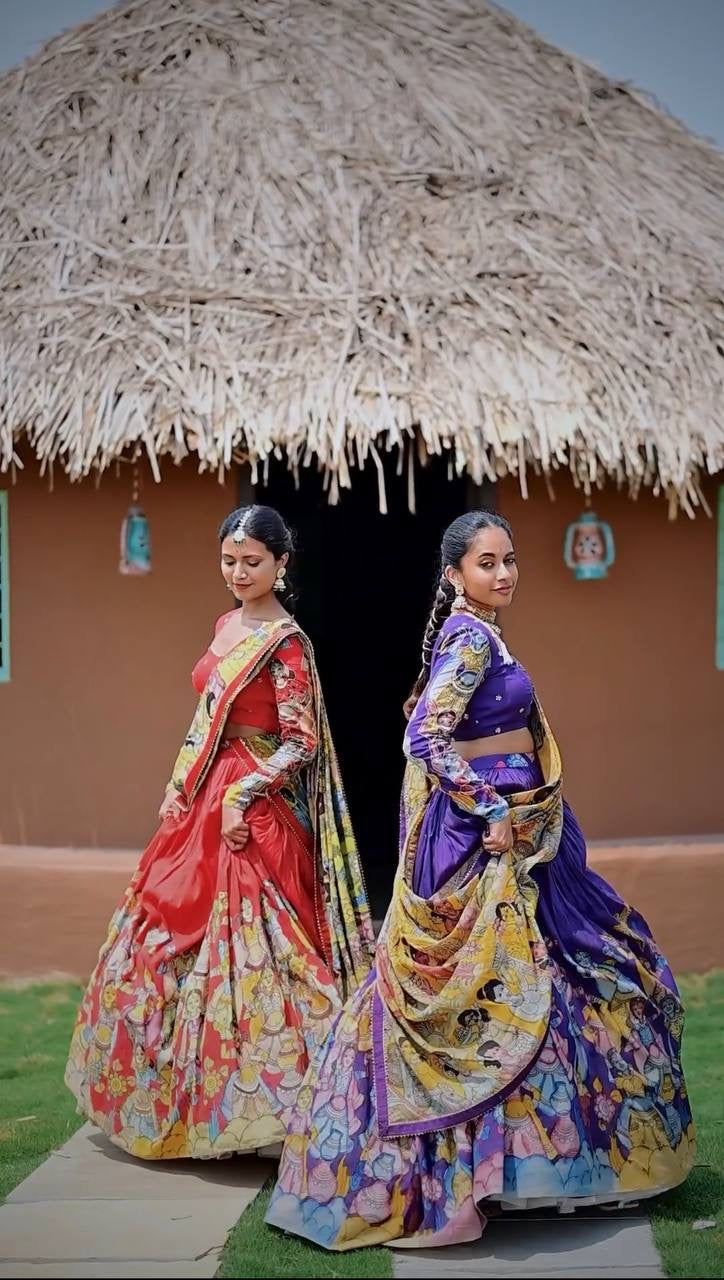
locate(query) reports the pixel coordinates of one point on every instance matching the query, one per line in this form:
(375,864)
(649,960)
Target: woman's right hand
(500,836)
(234,827)
(171,805)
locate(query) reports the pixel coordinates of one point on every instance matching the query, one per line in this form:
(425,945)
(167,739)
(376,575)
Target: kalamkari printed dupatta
(338,864)
(435,957)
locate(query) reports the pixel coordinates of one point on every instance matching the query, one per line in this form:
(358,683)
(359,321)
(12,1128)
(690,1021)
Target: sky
(672,48)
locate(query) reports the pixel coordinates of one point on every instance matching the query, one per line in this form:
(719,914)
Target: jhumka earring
(279,584)
(460,601)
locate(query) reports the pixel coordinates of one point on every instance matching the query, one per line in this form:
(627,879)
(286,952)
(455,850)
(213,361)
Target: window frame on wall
(4,590)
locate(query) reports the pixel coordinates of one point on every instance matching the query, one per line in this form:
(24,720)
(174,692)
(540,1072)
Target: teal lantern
(135,542)
(589,548)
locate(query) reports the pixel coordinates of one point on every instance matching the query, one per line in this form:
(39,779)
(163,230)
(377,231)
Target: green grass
(37,1113)
(685,1252)
(255,1250)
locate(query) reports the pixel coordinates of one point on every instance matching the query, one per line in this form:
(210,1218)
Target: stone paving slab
(89,1167)
(149,1269)
(538,1247)
(171,1230)
(91,1210)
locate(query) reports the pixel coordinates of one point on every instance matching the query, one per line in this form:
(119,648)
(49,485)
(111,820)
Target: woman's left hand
(500,836)
(234,828)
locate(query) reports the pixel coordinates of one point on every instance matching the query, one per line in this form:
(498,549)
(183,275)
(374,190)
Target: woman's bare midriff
(242,731)
(516,740)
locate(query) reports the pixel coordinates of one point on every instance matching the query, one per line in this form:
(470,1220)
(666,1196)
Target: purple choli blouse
(476,690)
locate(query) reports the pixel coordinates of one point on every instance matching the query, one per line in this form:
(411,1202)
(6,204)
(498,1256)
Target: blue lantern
(135,543)
(589,548)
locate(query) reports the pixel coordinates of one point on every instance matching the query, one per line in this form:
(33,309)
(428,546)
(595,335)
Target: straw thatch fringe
(339,227)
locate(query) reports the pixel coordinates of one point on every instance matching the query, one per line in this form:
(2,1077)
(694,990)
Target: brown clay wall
(100,692)
(625,666)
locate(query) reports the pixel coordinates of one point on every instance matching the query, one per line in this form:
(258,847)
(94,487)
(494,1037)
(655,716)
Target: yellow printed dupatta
(338,864)
(435,956)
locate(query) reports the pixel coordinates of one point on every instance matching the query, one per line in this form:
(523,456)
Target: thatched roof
(332,227)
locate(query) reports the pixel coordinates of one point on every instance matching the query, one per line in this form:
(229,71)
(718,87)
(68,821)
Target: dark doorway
(365,583)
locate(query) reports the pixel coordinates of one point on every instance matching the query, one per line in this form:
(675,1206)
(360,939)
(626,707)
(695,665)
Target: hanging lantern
(135,537)
(588,548)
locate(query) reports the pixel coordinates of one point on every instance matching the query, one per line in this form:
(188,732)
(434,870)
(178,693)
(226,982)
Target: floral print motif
(461,661)
(290,675)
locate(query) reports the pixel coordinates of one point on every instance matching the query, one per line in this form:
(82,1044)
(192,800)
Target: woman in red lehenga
(246,924)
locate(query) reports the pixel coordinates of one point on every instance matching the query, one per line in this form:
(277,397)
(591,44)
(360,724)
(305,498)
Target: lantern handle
(610,547)
(568,545)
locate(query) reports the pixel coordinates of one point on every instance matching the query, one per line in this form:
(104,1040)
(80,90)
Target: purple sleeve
(459,666)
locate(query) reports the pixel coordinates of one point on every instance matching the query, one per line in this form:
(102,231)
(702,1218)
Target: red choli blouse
(279,700)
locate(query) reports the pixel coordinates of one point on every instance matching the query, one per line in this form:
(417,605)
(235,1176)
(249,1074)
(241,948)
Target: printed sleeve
(294,694)
(459,667)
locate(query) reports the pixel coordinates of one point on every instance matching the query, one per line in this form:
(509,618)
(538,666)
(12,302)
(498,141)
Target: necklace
(485,615)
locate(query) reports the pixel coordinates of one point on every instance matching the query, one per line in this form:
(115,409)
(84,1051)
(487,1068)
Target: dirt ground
(55,903)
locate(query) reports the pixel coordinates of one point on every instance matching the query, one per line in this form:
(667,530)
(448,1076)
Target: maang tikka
(239,534)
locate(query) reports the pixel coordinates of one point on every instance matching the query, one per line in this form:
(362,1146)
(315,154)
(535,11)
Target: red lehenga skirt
(212,990)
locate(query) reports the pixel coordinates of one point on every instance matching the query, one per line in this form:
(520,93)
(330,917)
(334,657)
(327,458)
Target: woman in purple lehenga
(519,1040)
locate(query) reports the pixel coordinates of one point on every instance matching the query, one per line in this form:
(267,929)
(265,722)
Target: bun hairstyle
(456,541)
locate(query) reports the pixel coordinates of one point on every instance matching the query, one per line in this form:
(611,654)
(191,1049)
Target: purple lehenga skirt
(449,839)
(602,1116)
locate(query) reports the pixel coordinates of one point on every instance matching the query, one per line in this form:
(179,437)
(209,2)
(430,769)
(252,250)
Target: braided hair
(456,540)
